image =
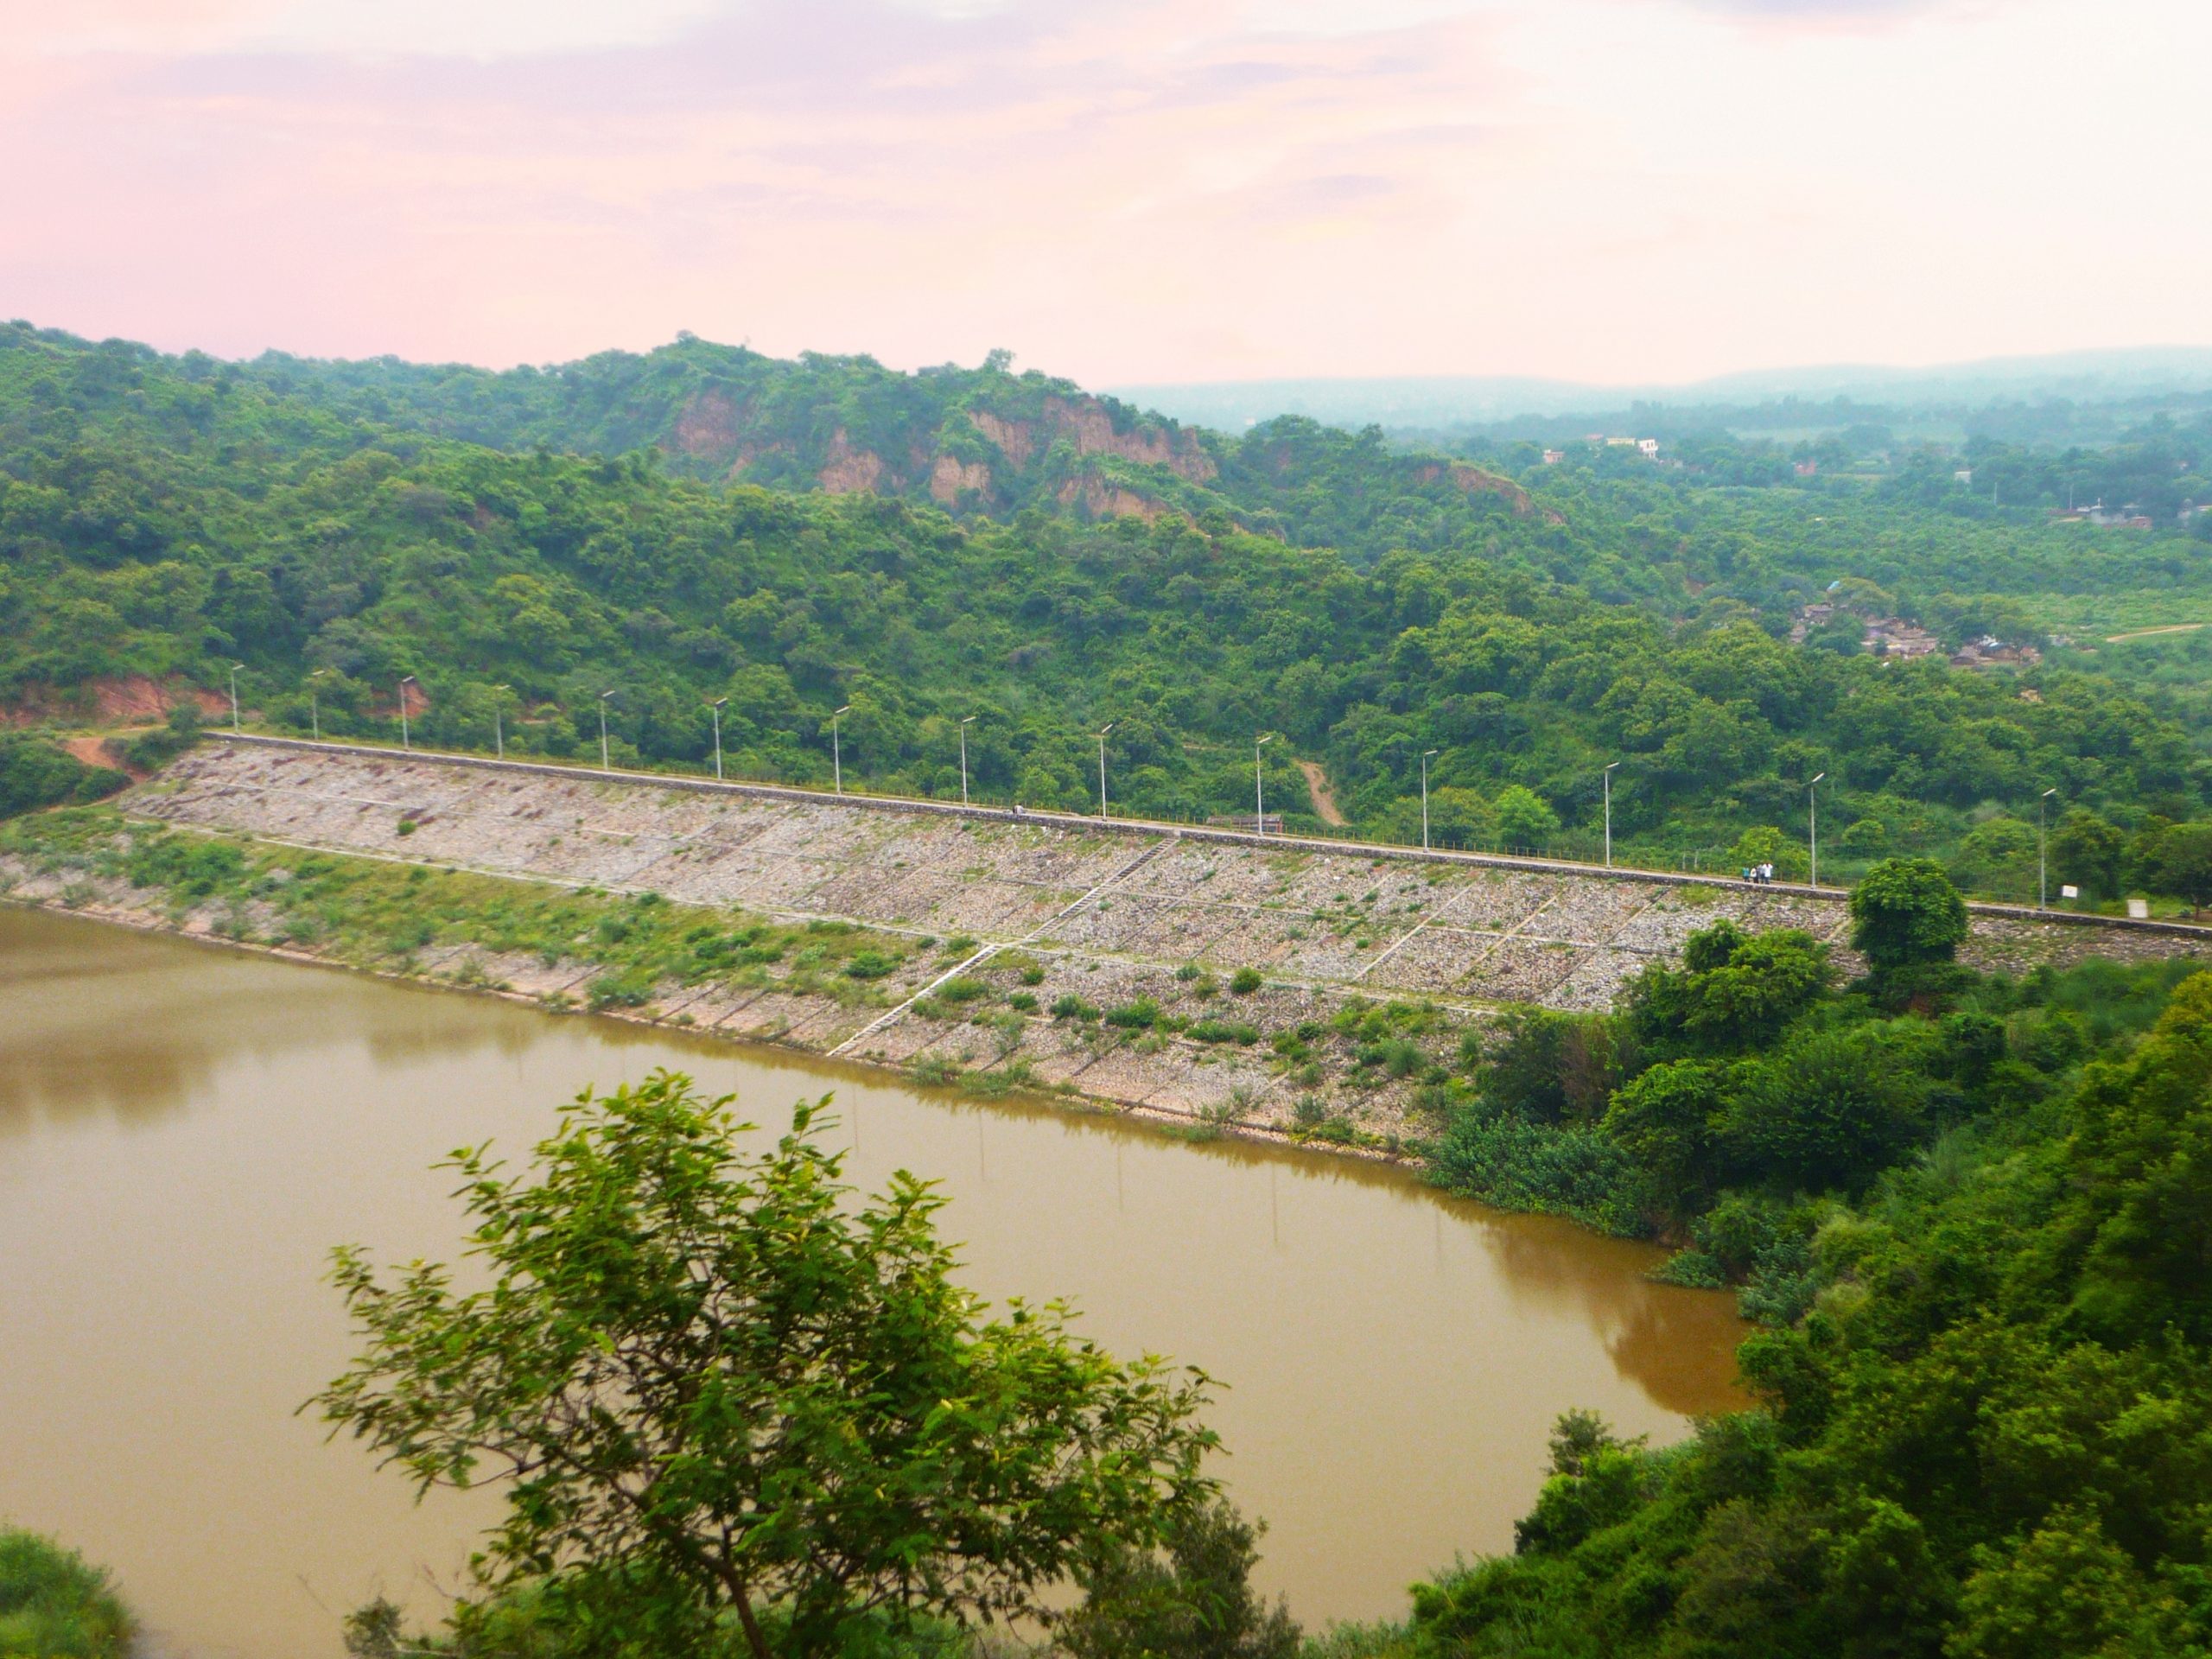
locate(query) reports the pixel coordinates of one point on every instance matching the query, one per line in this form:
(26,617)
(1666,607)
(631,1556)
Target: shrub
(1245,981)
(54,1605)
(1022,1000)
(34,774)
(1225,1031)
(1140,1015)
(961,988)
(870,964)
(1071,1007)
(625,990)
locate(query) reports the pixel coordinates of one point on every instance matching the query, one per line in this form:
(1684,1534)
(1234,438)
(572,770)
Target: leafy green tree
(1830,1110)
(1732,992)
(720,1388)
(2181,864)
(2088,852)
(1524,818)
(2066,1591)
(1670,1119)
(1192,1599)
(1905,913)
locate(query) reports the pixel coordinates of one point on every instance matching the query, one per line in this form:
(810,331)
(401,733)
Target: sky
(1613,191)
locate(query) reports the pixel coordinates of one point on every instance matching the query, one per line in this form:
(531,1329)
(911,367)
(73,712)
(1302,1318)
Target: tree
(1905,913)
(1524,818)
(721,1389)
(2181,864)
(1733,991)
(1193,1601)
(2088,852)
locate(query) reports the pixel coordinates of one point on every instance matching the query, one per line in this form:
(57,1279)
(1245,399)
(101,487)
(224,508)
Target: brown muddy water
(185,1131)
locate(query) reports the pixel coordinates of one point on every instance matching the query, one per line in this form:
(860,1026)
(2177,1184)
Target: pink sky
(1120,190)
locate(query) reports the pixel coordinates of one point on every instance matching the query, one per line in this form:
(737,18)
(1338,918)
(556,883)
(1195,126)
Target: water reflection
(186,1131)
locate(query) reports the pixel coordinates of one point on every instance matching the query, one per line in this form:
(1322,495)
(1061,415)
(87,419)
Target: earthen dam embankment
(1110,913)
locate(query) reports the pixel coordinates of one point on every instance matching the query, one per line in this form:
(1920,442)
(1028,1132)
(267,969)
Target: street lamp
(1259,795)
(234,694)
(1608,775)
(836,749)
(2043,857)
(1425,755)
(499,695)
(717,705)
(1103,730)
(964,758)
(315,704)
(1813,819)
(406,739)
(605,765)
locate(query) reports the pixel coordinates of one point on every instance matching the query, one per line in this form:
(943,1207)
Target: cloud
(1125,189)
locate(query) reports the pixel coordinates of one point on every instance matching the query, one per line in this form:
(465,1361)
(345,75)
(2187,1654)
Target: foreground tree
(721,1389)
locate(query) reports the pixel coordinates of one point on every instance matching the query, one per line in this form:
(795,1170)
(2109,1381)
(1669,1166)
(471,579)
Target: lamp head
(722,702)
(1426,754)
(847,709)
(1816,780)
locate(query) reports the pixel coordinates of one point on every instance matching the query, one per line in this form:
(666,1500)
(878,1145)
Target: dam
(1045,912)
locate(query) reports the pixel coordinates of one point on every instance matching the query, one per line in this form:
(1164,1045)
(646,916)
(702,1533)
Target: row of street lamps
(1259,773)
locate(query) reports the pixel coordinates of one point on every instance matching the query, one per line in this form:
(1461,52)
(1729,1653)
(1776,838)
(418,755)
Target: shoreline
(1181,1125)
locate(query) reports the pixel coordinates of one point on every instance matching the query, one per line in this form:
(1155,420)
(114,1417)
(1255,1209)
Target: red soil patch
(126,699)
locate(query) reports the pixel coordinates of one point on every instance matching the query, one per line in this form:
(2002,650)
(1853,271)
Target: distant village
(1897,639)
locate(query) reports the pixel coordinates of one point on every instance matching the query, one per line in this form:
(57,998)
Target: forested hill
(163,517)
(977,442)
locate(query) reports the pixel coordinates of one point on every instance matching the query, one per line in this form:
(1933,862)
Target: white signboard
(2139,910)
(2070,893)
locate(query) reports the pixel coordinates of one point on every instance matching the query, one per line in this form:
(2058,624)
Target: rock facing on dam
(1109,913)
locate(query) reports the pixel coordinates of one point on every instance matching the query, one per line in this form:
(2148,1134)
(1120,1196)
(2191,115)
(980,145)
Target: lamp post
(1103,730)
(1259,793)
(314,704)
(406,738)
(717,706)
(963,759)
(836,748)
(1608,776)
(499,695)
(2043,854)
(1812,821)
(234,694)
(605,765)
(1425,755)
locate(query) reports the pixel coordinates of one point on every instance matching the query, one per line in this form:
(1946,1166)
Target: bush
(1225,1031)
(961,988)
(1245,981)
(1071,1007)
(627,989)
(871,964)
(1140,1015)
(54,1605)
(34,774)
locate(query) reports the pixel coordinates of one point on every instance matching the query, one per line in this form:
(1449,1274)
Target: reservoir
(185,1131)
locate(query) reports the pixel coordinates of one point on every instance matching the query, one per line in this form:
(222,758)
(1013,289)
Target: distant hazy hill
(2150,374)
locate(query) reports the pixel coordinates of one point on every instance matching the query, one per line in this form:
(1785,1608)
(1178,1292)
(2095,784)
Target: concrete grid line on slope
(1199,833)
(1460,1004)
(989,950)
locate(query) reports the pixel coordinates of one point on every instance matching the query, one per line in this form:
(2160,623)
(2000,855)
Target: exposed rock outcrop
(849,471)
